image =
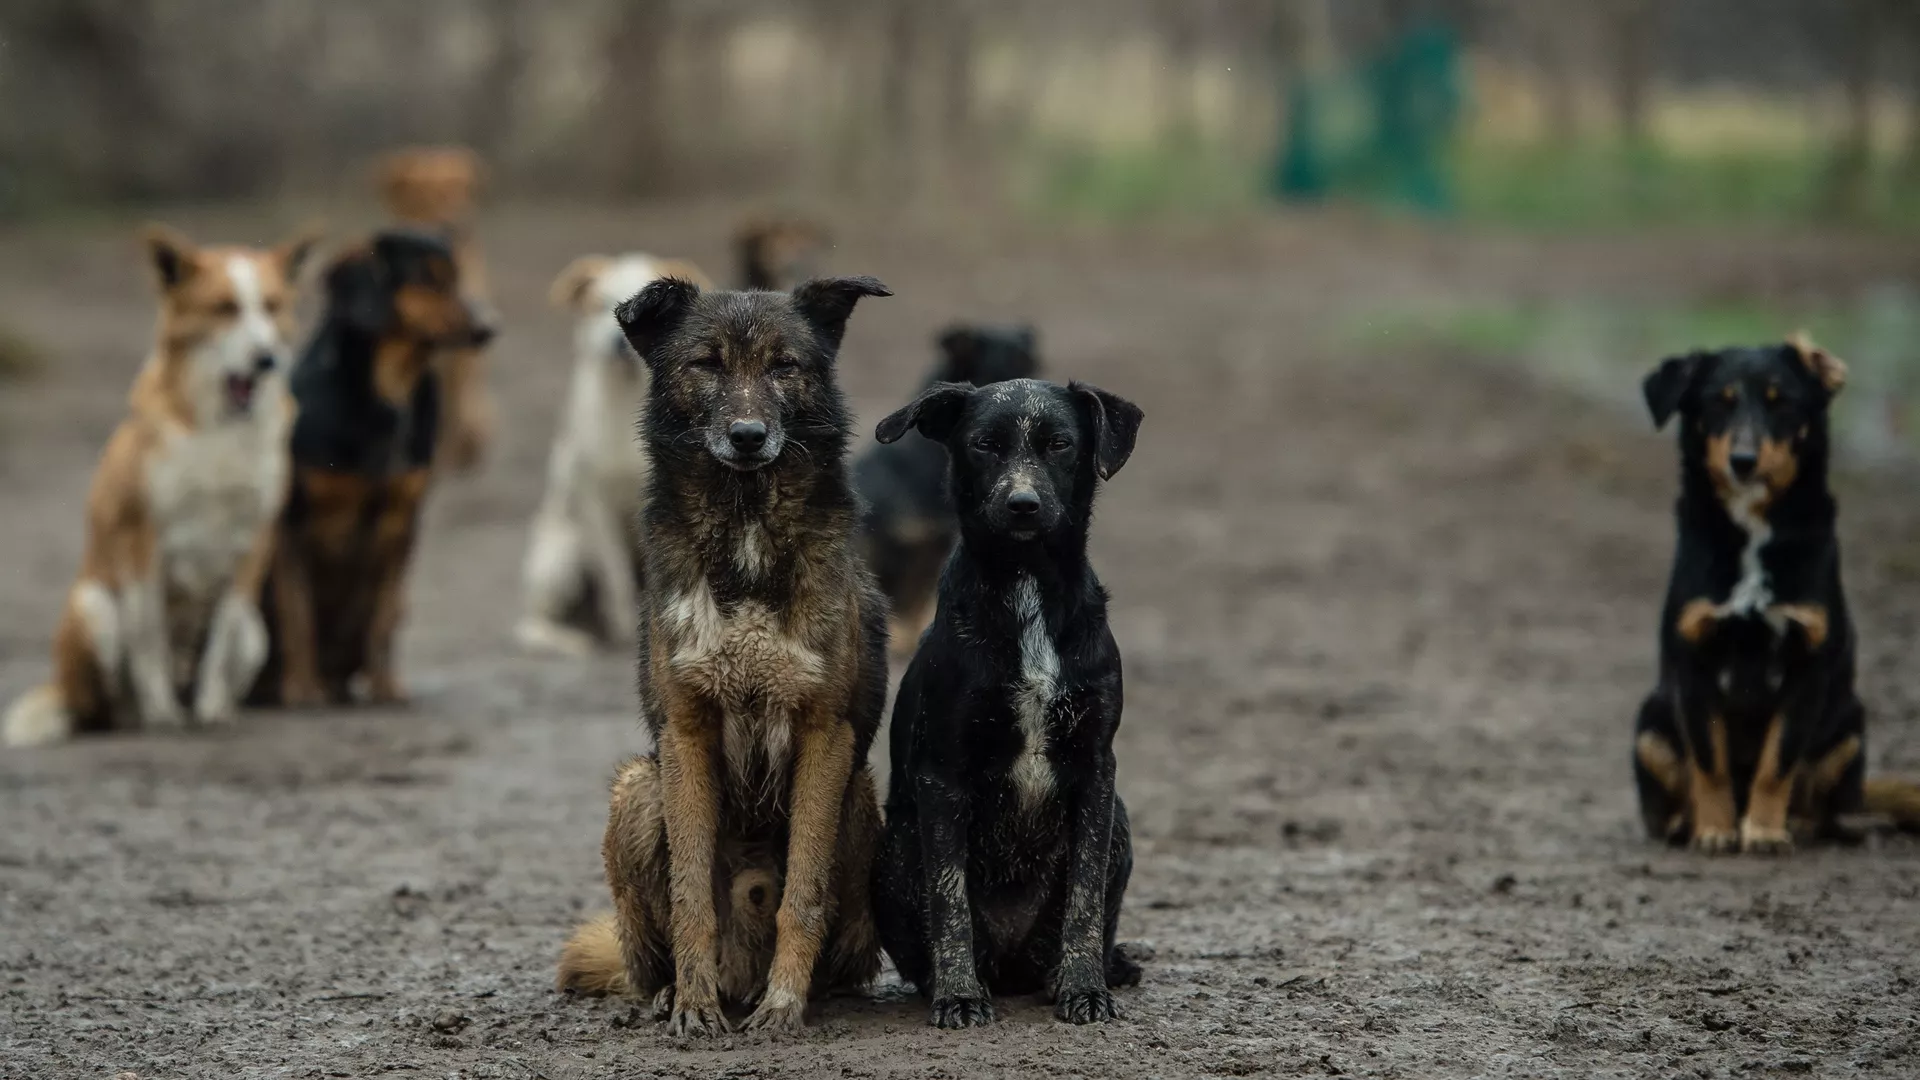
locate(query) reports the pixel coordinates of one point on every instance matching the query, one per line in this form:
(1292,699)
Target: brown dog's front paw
(780,1010)
(301,694)
(1716,841)
(1760,840)
(1087,1006)
(386,691)
(703,1018)
(961,1012)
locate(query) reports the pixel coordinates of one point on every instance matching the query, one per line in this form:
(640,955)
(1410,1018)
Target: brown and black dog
(777,253)
(738,854)
(362,456)
(434,189)
(1755,727)
(163,617)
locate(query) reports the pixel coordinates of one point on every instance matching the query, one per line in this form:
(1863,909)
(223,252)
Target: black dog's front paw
(1089,1006)
(961,1012)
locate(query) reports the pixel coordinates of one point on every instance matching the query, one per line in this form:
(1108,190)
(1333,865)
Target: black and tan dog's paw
(1716,841)
(1085,1006)
(961,1012)
(1122,970)
(1759,840)
(690,1018)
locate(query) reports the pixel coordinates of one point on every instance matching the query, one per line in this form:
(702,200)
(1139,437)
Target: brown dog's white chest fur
(751,664)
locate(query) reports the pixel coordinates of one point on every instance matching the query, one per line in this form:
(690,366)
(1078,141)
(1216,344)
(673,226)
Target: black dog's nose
(1023,502)
(747,436)
(264,362)
(1743,462)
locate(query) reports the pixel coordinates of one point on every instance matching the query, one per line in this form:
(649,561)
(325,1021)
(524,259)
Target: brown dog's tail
(590,963)
(1896,800)
(39,717)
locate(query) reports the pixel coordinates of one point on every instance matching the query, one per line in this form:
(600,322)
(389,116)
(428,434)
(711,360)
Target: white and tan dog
(180,514)
(581,569)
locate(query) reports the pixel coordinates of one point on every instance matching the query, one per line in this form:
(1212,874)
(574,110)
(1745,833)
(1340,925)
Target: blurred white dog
(583,563)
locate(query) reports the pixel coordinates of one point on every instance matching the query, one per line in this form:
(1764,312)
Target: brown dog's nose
(1743,462)
(747,436)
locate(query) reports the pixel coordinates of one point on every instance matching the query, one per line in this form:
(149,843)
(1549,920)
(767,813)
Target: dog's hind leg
(1660,771)
(631,952)
(851,956)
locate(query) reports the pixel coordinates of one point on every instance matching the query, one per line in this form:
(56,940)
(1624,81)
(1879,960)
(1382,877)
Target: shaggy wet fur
(1006,851)
(738,853)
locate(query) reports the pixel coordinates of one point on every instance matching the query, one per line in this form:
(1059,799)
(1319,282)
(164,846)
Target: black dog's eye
(785,369)
(985,444)
(707,361)
(1730,394)
(1059,443)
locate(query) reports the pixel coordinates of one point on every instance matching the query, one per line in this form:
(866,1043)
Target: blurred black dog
(909,527)
(1006,850)
(1755,718)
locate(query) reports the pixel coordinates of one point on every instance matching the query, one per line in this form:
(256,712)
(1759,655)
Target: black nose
(1023,502)
(1743,463)
(747,436)
(482,333)
(264,362)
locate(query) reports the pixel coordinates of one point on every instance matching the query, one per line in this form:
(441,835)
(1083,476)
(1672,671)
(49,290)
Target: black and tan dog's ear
(170,253)
(935,412)
(293,252)
(1666,386)
(573,289)
(358,291)
(827,303)
(1116,424)
(1830,370)
(654,312)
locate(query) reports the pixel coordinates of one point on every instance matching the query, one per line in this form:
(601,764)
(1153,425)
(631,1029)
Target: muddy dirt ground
(1385,618)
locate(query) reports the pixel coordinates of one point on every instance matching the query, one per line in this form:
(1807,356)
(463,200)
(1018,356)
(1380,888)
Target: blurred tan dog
(582,566)
(435,187)
(181,510)
(776,252)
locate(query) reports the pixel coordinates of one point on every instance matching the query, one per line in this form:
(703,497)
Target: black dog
(362,446)
(1755,717)
(908,527)
(1006,850)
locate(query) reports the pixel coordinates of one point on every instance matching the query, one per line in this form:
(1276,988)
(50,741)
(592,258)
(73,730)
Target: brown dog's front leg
(293,622)
(823,763)
(688,758)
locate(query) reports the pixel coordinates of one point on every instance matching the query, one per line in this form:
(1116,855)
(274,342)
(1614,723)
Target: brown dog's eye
(275,305)
(1729,394)
(1773,393)
(227,308)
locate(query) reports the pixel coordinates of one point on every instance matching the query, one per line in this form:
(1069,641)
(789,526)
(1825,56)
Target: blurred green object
(1382,132)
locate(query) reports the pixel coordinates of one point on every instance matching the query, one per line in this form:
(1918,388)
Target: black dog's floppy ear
(934,412)
(1666,386)
(358,291)
(827,303)
(1116,424)
(1830,370)
(652,313)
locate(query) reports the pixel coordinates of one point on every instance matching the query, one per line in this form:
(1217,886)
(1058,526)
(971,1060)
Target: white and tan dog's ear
(573,289)
(293,252)
(170,253)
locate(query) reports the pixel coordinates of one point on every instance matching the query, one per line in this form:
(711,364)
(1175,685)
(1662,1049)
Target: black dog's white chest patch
(1034,693)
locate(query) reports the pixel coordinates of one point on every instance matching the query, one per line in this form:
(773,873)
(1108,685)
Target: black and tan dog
(1754,726)
(362,449)
(908,527)
(1006,851)
(738,854)
(777,253)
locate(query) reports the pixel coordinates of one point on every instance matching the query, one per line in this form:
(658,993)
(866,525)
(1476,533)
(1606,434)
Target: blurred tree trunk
(1632,66)
(634,119)
(490,114)
(1850,174)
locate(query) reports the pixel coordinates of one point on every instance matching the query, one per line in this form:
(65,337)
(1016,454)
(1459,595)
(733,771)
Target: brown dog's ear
(827,303)
(935,412)
(654,312)
(685,271)
(1116,424)
(570,291)
(1829,369)
(170,253)
(1666,386)
(358,294)
(293,252)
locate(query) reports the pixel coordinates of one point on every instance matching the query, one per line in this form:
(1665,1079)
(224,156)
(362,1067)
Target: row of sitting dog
(746,856)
